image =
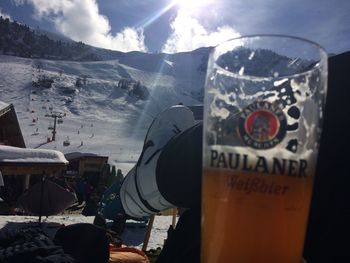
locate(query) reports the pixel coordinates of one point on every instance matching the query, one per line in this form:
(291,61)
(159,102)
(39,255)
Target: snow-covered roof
(3,105)
(9,154)
(76,155)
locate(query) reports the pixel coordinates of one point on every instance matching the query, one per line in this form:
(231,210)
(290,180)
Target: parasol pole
(41,197)
(148,233)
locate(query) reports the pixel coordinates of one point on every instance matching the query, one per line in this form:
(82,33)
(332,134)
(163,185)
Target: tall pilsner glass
(264,105)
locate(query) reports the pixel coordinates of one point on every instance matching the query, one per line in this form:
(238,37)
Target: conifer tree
(120,176)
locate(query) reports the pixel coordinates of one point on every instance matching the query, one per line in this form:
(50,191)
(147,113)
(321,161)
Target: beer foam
(229,96)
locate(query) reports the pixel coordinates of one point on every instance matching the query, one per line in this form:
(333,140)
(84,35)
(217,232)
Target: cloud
(4,15)
(188,34)
(80,20)
(18,2)
(326,22)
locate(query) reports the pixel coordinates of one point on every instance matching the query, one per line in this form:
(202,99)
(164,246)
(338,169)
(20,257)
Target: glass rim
(323,55)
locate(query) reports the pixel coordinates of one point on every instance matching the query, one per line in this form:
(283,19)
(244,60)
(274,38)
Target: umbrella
(46,198)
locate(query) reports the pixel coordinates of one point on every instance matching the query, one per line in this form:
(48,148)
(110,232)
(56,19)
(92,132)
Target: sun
(191,4)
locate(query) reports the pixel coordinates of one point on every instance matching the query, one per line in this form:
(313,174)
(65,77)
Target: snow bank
(15,154)
(132,235)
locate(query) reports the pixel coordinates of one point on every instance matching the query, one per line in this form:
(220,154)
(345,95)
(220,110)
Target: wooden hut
(20,166)
(86,165)
(10,131)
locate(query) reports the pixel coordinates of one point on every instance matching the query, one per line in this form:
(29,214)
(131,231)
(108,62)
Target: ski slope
(98,116)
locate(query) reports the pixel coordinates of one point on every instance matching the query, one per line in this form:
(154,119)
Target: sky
(182,25)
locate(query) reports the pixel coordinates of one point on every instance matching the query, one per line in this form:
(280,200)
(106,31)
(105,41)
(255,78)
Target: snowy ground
(132,236)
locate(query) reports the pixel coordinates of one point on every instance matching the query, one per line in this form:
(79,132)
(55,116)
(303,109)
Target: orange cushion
(127,255)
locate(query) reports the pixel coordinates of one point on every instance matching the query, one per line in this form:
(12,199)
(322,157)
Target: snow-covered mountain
(106,105)
(262,63)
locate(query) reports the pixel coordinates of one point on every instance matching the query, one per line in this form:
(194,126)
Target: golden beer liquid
(263,226)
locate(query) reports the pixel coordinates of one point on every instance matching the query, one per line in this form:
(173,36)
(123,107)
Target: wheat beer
(252,217)
(263,109)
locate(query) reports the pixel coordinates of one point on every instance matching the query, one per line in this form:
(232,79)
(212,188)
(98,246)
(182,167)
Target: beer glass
(263,111)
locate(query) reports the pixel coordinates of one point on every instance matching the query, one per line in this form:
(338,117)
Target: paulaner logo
(262,125)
